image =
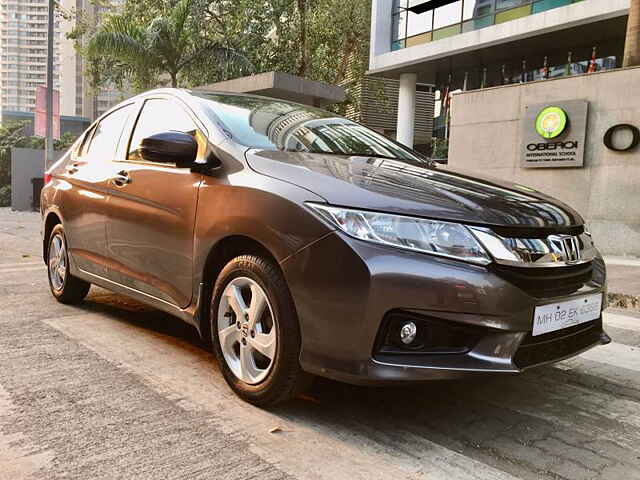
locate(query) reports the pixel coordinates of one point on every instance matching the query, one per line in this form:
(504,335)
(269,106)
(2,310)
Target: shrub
(5,196)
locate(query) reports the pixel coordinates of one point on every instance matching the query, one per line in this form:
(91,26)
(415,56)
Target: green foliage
(5,196)
(11,135)
(326,40)
(197,42)
(167,39)
(66,140)
(440,148)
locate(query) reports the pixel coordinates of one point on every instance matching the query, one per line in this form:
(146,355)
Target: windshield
(271,124)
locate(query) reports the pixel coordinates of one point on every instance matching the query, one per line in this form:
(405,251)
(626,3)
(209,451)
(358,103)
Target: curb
(623,301)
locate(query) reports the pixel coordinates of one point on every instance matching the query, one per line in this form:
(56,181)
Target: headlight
(428,236)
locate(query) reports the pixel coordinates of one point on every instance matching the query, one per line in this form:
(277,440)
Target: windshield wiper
(350,154)
(416,158)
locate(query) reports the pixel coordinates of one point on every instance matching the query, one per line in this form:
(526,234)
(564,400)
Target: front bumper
(344,289)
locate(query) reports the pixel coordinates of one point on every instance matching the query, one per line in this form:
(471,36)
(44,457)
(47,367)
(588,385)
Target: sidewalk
(623,274)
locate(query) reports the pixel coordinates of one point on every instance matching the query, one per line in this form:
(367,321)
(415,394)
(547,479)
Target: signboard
(553,134)
(40,123)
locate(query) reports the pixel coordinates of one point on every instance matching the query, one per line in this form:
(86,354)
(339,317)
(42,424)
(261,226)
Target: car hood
(412,189)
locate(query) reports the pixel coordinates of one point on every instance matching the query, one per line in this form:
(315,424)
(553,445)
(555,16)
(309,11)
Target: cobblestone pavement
(111,389)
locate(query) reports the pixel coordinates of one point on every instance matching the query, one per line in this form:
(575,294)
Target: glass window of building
(414,20)
(398,4)
(418,23)
(477,8)
(501,4)
(399,25)
(447,15)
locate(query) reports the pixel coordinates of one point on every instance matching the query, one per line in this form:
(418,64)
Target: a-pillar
(407,109)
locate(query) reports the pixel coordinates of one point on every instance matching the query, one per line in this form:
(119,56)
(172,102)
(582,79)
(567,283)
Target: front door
(152,211)
(85,201)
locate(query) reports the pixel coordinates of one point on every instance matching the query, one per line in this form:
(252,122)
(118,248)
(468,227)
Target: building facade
(77,96)
(375,104)
(605,189)
(23,60)
(23,57)
(472,44)
(531,91)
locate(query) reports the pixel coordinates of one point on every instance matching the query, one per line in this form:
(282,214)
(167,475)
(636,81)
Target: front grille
(546,282)
(553,350)
(536,232)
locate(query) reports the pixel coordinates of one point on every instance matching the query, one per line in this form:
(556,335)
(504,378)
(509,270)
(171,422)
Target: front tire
(255,332)
(65,287)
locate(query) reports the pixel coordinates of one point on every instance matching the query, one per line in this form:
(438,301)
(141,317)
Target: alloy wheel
(247,330)
(57,262)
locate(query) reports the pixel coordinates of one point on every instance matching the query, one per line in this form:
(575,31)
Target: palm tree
(632,42)
(170,44)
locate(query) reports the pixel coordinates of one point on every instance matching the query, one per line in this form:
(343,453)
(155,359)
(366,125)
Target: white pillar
(407,109)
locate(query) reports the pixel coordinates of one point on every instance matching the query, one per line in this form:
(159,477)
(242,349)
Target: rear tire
(65,287)
(255,332)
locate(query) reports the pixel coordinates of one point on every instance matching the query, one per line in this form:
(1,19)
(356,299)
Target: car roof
(186,94)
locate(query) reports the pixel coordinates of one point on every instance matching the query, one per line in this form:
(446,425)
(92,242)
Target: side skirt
(190,315)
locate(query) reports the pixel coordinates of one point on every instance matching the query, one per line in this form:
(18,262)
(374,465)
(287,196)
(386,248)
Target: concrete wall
(26,163)
(486,139)
(284,86)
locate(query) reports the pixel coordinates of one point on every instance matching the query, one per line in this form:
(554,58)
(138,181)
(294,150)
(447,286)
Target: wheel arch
(219,255)
(51,220)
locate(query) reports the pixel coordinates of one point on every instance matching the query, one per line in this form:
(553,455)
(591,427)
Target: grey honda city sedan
(300,243)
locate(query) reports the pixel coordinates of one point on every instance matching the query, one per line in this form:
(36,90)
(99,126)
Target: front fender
(266,210)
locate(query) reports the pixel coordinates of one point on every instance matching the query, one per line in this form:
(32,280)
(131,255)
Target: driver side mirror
(170,147)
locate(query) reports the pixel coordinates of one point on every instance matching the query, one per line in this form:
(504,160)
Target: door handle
(121,178)
(73,168)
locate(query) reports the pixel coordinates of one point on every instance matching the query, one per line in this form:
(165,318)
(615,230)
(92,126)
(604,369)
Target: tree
(324,40)
(632,42)
(341,39)
(65,141)
(303,62)
(143,50)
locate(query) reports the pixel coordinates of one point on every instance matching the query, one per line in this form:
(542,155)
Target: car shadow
(120,307)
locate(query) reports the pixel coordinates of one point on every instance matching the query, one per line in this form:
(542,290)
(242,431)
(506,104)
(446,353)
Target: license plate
(556,316)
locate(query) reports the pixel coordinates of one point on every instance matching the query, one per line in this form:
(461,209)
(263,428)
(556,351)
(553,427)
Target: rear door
(84,203)
(152,209)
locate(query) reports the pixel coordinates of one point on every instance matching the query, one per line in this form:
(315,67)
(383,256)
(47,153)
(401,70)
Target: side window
(159,115)
(84,145)
(107,133)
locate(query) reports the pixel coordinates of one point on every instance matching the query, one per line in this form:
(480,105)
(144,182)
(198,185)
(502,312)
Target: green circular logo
(551,122)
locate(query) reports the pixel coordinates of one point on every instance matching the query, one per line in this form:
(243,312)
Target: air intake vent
(546,282)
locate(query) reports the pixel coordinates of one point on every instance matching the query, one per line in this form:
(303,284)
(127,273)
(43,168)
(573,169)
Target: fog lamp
(408,333)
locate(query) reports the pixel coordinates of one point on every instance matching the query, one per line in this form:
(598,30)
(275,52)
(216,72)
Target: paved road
(111,389)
